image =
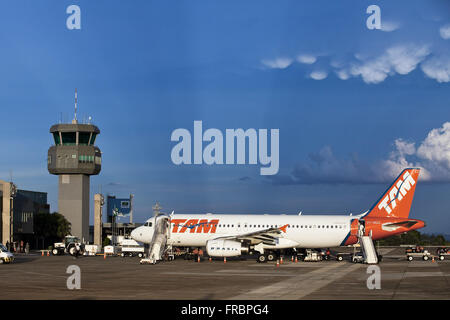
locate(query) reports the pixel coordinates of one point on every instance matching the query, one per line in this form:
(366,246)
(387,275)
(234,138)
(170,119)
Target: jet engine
(224,248)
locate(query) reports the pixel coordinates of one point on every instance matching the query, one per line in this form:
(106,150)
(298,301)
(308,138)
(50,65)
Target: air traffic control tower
(74,158)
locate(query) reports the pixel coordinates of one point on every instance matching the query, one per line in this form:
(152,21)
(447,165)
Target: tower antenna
(75,119)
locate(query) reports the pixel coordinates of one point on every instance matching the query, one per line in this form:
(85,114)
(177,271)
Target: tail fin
(396,200)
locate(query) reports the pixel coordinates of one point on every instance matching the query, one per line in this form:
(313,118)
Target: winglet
(283,228)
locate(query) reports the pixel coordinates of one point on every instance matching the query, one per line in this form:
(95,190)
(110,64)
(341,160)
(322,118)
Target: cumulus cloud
(342,74)
(318,75)
(389,26)
(398,59)
(437,68)
(306,58)
(432,155)
(278,63)
(445,32)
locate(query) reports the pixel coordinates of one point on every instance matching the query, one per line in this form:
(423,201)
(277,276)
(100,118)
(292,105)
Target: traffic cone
(198,258)
(296,259)
(432,259)
(48,253)
(278,263)
(224,259)
(210,260)
(281,260)
(104,255)
(292,259)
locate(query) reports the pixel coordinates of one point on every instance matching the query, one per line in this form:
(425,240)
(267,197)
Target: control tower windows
(86,159)
(94,135)
(56,138)
(83,138)
(69,138)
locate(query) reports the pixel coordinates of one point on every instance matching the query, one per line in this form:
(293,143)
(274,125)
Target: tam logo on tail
(396,201)
(397,193)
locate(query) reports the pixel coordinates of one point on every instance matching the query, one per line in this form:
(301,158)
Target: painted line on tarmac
(203,274)
(299,286)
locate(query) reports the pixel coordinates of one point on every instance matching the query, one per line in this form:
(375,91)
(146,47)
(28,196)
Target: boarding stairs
(368,248)
(159,241)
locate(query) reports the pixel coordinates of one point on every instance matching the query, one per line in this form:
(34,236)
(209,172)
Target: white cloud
(342,74)
(389,26)
(437,68)
(445,31)
(432,156)
(436,146)
(398,59)
(318,75)
(306,58)
(278,63)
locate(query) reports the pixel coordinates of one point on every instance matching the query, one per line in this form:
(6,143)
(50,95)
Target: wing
(266,236)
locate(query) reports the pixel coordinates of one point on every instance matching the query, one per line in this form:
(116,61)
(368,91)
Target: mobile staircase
(159,241)
(368,249)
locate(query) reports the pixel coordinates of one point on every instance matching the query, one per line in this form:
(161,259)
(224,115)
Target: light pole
(12,195)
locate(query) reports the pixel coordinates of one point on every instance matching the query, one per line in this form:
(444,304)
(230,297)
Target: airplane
(230,235)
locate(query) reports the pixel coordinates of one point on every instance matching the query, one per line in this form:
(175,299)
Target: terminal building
(18,210)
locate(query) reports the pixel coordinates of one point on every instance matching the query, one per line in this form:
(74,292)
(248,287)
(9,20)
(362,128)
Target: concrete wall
(73,203)
(98,208)
(6,210)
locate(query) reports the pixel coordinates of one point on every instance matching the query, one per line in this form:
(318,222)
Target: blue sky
(353,105)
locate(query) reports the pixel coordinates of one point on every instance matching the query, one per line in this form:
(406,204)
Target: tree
(51,225)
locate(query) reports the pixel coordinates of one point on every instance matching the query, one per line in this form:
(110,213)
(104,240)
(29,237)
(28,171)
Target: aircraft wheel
(441,258)
(262,258)
(425,258)
(271,257)
(55,252)
(410,258)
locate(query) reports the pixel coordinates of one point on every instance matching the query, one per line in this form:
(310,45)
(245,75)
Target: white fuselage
(302,231)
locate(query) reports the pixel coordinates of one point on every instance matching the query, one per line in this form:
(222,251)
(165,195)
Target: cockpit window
(148,224)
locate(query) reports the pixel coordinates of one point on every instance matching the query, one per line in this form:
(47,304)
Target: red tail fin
(396,201)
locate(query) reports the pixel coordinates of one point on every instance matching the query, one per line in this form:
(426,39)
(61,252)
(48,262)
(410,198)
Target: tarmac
(44,277)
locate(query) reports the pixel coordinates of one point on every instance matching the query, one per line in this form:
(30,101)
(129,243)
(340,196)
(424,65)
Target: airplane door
(242,227)
(354,227)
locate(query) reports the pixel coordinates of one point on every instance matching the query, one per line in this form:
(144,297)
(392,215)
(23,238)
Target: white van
(5,255)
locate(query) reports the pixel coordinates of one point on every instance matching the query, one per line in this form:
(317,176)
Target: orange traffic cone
(198,258)
(296,259)
(48,253)
(278,263)
(42,253)
(210,260)
(224,259)
(281,260)
(104,255)
(292,259)
(432,259)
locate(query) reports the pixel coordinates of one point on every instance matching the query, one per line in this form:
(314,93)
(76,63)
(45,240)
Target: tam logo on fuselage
(397,193)
(195,225)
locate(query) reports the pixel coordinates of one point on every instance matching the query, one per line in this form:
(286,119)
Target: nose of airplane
(135,234)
